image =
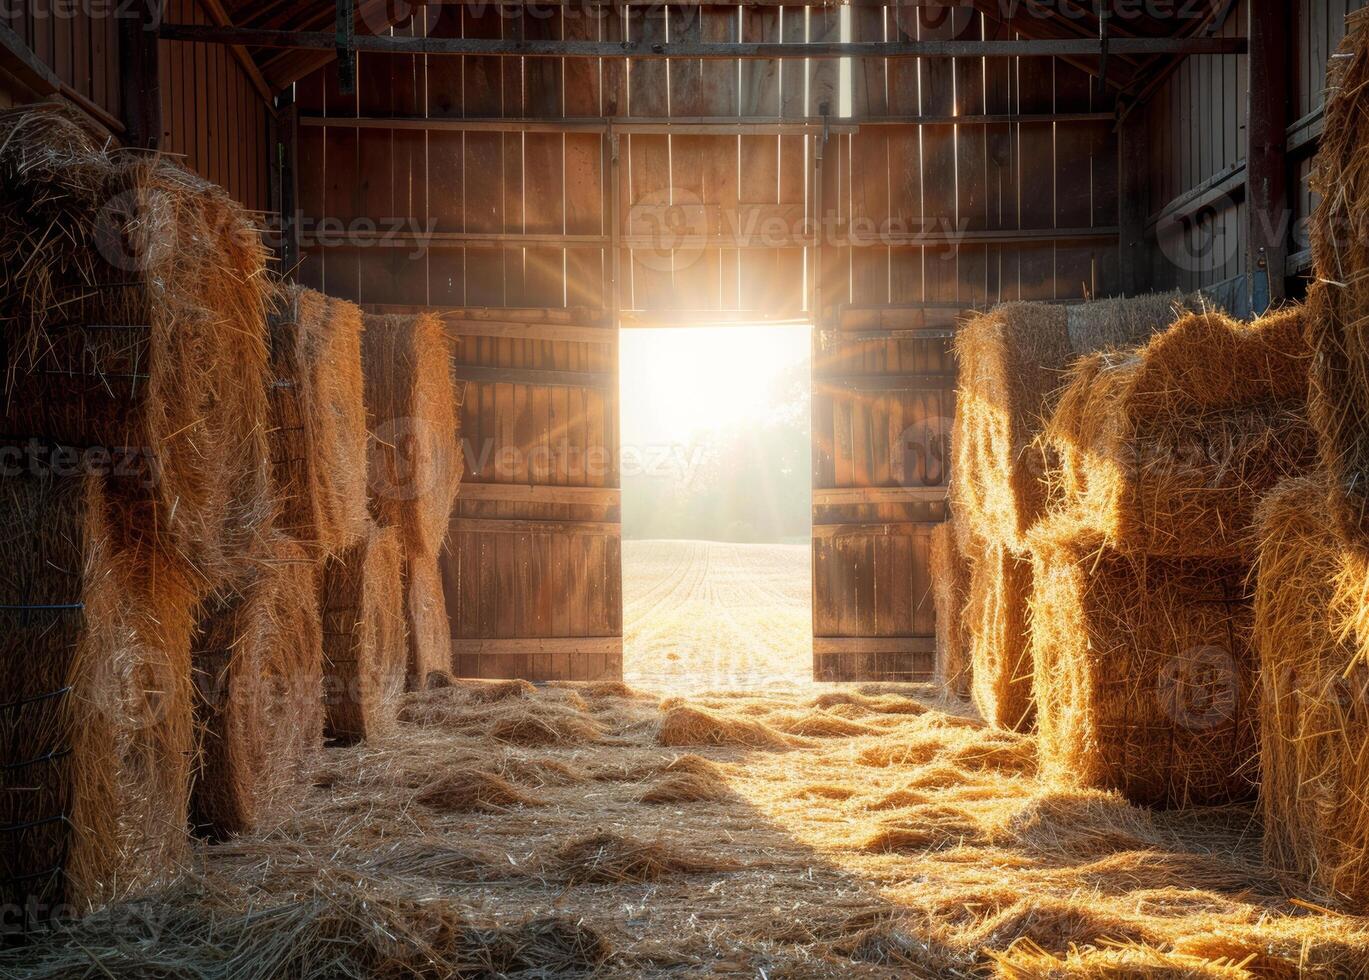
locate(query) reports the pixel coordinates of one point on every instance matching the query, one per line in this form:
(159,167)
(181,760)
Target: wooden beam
(1133,181)
(492,526)
(515,48)
(874,644)
(885,382)
(886,529)
(860,496)
(376,235)
(1267,204)
(220,17)
(527,646)
(288,164)
(690,125)
(568,315)
(518,493)
(1223,184)
(141,94)
(25,67)
(570,333)
(531,376)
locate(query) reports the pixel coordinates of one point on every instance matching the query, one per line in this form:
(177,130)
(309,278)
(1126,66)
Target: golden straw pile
(950,576)
(1312,584)
(415,468)
(192,561)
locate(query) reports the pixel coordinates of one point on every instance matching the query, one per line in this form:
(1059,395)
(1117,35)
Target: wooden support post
(1133,180)
(142,89)
(1266,155)
(288,165)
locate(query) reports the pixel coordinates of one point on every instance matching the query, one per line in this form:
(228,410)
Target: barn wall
(79,42)
(1002,235)
(1196,136)
(213,117)
(947,213)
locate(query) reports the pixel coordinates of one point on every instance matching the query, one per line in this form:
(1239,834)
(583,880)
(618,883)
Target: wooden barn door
(533,570)
(882,402)
(883,377)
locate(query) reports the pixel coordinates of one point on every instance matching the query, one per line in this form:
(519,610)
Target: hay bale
(364,647)
(258,666)
(1338,302)
(1011,363)
(133,307)
(1314,699)
(318,419)
(430,631)
(999,638)
(1144,674)
(96,732)
(950,573)
(411,411)
(1166,449)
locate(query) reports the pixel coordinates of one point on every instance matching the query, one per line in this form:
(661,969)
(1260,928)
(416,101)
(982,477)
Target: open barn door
(883,391)
(533,569)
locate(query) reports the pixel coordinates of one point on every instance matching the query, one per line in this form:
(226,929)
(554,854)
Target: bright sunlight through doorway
(717,583)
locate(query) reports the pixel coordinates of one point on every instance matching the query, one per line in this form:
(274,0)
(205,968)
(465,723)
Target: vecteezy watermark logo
(922,455)
(135,231)
(401,459)
(676,462)
(667,228)
(41,458)
(414,234)
(1200,688)
(95,10)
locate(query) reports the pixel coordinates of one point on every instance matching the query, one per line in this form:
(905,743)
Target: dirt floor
(510,830)
(699,615)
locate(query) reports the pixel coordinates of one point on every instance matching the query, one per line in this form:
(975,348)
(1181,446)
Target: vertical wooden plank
(758,181)
(1267,165)
(905,159)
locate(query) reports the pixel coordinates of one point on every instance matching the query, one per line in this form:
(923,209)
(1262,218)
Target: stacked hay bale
(1339,299)
(950,576)
(259,653)
(415,469)
(1312,592)
(1012,361)
(258,671)
(96,737)
(135,409)
(1314,697)
(1145,673)
(318,430)
(364,636)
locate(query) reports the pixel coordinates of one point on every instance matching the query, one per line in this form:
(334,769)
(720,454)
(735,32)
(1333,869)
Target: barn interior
(334,641)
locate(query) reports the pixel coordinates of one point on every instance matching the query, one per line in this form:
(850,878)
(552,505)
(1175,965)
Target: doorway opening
(717,506)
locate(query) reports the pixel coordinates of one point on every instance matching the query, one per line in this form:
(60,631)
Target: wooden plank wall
(1196,131)
(997,198)
(884,375)
(78,41)
(532,570)
(213,117)
(424,188)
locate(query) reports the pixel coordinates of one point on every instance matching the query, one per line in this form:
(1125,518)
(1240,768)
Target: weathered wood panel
(533,569)
(212,114)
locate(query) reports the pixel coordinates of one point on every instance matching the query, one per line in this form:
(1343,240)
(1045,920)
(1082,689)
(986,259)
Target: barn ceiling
(1030,19)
